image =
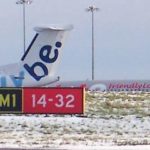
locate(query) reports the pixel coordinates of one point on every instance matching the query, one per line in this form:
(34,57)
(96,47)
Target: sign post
(42,100)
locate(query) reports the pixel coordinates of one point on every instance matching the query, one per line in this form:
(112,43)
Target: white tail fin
(43,54)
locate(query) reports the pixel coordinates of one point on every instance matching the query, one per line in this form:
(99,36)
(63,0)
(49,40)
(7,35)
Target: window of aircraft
(146,90)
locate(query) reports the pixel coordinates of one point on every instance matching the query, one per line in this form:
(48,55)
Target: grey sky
(122,33)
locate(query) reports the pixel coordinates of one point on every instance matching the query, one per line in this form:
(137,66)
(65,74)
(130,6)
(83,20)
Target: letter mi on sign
(10,100)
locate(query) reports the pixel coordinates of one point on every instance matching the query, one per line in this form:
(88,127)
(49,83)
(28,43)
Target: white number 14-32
(43,100)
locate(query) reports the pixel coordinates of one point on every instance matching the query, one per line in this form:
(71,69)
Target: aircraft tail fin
(43,54)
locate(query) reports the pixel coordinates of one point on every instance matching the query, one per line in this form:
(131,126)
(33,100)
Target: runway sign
(42,100)
(10,100)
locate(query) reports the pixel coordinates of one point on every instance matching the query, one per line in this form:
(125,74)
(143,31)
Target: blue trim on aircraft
(27,51)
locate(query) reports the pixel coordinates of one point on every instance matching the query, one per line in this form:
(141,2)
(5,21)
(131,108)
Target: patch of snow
(101,127)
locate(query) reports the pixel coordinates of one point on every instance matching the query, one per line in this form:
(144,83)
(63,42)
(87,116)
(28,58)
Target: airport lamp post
(24,2)
(92,9)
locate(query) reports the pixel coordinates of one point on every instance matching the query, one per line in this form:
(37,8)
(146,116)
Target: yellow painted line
(84,100)
(22,100)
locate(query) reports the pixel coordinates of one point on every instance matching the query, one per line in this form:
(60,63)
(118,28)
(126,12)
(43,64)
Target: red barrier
(53,101)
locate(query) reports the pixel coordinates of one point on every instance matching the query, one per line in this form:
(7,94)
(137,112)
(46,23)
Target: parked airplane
(38,64)
(107,85)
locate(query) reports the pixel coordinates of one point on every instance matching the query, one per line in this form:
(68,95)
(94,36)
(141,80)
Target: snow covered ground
(110,120)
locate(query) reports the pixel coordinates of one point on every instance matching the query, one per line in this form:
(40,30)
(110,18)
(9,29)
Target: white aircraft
(107,85)
(39,63)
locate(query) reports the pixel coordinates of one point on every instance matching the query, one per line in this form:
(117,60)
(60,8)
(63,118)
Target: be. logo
(44,55)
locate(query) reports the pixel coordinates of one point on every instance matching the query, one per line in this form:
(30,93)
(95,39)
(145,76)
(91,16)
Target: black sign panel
(10,100)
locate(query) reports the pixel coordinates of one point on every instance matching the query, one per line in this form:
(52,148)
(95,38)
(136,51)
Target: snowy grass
(117,104)
(110,119)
